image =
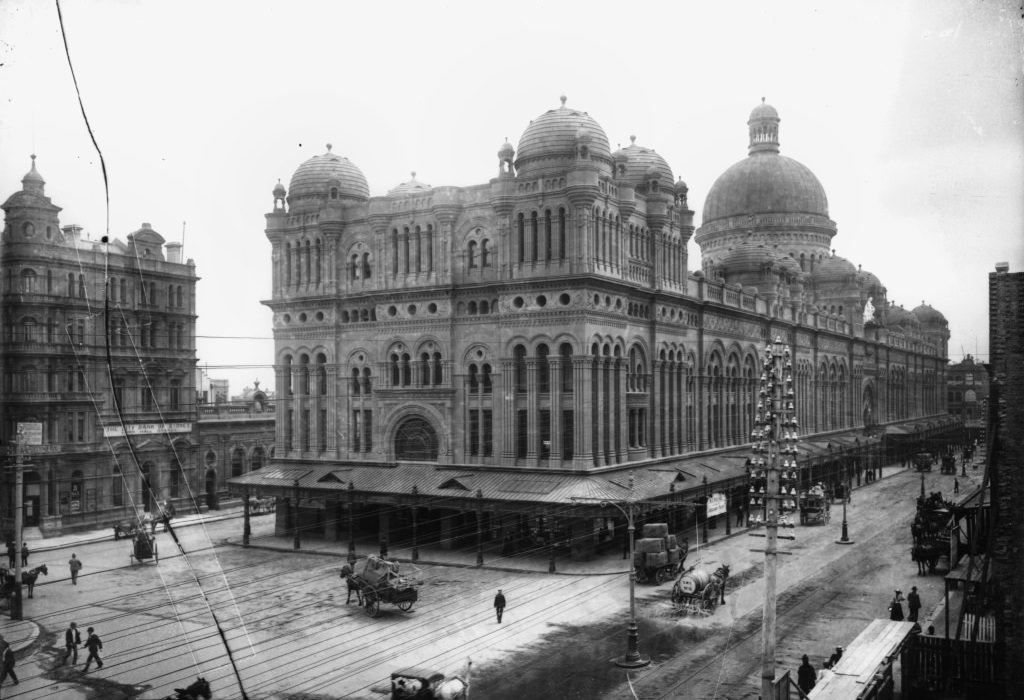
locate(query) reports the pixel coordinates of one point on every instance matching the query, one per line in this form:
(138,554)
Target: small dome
(681,188)
(411,187)
(870,282)
(635,165)
(898,316)
(506,150)
(763,111)
(747,257)
(834,269)
(319,174)
(279,190)
(929,316)
(549,142)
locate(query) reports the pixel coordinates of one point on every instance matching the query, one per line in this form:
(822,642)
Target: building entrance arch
(415,439)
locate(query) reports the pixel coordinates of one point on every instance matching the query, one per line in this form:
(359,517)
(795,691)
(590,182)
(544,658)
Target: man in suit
(93,644)
(7,662)
(72,640)
(499,604)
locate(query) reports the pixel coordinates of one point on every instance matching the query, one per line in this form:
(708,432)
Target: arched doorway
(415,439)
(211,489)
(237,461)
(33,498)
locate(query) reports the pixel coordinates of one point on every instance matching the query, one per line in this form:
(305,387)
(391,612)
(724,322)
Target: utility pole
(774,473)
(19,506)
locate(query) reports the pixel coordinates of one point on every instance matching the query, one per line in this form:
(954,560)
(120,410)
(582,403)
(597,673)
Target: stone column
(583,411)
(620,416)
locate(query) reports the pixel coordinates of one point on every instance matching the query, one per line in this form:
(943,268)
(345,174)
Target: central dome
(551,141)
(765,182)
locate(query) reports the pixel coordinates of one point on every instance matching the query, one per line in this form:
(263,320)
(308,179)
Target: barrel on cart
(380,581)
(699,590)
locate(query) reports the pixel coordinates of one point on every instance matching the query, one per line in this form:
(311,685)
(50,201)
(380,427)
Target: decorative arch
(415,438)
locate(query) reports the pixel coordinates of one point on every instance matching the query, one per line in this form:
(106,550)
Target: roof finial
(413,174)
(563,98)
(632,140)
(328,147)
(762,100)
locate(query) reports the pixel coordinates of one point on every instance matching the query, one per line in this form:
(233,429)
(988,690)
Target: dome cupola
(558,139)
(764,129)
(327,177)
(412,186)
(929,316)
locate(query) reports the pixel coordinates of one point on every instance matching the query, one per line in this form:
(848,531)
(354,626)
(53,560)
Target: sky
(910,113)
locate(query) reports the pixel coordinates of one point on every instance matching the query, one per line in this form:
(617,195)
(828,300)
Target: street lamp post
(246,526)
(415,534)
(704,527)
(632,658)
(845,538)
(351,523)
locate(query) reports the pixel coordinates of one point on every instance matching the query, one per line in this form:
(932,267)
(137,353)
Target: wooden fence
(934,665)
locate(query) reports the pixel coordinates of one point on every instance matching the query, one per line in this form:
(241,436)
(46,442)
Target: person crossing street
(93,644)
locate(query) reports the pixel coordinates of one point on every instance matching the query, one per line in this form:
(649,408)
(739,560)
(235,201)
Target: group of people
(913,605)
(12,553)
(73,640)
(807,676)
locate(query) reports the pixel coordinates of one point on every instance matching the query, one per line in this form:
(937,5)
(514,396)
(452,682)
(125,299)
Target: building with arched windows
(489,357)
(97,349)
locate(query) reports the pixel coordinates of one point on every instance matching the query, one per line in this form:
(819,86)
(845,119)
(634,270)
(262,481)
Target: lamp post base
(632,658)
(845,539)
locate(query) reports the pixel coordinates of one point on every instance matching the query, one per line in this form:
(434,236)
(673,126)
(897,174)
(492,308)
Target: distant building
(68,304)
(967,394)
(219,390)
(233,438)
(1006,468)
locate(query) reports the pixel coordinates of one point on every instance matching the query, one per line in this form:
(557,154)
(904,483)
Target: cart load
(658,556)
(427,684)
(381,580)
(700,590)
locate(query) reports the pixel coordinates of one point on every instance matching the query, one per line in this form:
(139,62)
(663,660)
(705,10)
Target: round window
(319,315)
(518,302)
(432,307)
(392,311)
(302,317)
(287,318)
(542,301)
(412,309)
(211,458)
(563,299)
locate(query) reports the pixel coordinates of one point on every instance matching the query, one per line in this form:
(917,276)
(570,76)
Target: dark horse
(199,689)
(28,578)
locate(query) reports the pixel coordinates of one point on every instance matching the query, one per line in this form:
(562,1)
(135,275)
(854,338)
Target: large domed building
(499,350)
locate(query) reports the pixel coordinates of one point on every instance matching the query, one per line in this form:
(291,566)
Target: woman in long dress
(896,607)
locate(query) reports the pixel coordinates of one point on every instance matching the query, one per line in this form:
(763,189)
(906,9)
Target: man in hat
(806,675)
(499,604)
(834,659)
(913,604)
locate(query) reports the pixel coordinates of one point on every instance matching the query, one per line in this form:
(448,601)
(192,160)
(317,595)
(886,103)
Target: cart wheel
(405,605)
(640,575)
(660,576)
(372,605)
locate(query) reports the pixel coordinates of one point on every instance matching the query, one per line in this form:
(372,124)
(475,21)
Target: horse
(199,689)
(453,688)
(28,578)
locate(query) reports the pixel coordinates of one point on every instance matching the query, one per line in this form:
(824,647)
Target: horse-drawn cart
(815,506)
(700,591)
(144,549)
(427,684)
(380,581)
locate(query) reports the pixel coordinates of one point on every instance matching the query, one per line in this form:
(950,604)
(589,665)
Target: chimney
(173,252)
(1002,267)
(72,231)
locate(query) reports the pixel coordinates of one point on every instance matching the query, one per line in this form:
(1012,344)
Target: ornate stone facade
(57,332)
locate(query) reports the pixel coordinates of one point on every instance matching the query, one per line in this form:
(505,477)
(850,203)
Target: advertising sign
(147,429)
(716,504)
(30,433)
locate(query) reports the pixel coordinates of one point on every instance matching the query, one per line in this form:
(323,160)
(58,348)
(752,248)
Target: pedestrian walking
(956,485)
(24,553)
(499,604)
(896,607)
(75,564)
(7,662)
(72,640)
(806,675)
(93,644)
(913,604)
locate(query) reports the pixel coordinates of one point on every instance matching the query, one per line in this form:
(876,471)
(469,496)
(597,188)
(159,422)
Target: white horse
(453,688)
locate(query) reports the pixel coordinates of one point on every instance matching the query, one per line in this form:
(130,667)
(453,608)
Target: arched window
(117,487)
(28,281)
(473,383)
(258,458)
(415,439)
(396,378)
(304,375)
(394,251)
(237,461)
(519,361)
(288,388)
(174,398)
(438,370)
(471,254)
(486,378)
(565,350)
(366,266)
(521,237)
(485,258)
(367,383)
(406,370)
(355,382)
(543,370)
(534,233)
(424,369)
(321,374)
(547,234)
